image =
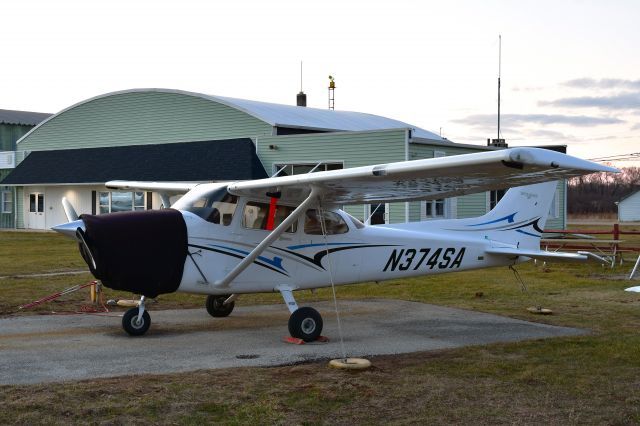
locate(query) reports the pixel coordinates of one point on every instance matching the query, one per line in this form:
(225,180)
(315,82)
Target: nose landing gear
(220,306)
(136,321)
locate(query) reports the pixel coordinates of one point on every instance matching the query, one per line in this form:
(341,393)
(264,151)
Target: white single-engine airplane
(287,233)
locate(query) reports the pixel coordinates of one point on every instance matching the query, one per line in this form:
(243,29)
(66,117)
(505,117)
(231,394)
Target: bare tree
(598,192)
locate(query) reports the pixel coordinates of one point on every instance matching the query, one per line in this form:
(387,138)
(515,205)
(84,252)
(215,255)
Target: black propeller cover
(142,252)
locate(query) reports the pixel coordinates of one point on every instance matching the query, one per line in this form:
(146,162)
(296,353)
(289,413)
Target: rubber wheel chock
(539,310)
(296,341)
(350,363)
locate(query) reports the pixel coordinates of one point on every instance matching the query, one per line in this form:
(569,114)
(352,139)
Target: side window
(332,221)
(256,216)
(215,207)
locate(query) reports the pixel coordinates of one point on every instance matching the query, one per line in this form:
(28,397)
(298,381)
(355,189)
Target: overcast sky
(570,68)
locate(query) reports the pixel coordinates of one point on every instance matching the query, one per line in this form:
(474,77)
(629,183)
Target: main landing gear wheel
(305,323)
(216,307)
(131,324)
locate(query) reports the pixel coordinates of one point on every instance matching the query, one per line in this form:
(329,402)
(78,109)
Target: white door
(36,211)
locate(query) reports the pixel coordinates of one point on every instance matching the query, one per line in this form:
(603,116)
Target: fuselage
(213,242)
(305,258)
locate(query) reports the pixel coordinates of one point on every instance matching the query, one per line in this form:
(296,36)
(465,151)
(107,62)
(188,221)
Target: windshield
(214,205)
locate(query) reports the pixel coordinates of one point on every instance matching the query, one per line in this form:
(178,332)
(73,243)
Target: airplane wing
(546,255)
(426,179)
(166,187)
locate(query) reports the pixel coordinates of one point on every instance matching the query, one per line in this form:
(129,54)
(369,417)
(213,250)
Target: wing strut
(244,263)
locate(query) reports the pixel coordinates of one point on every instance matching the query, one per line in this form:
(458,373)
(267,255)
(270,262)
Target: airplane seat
(214,216)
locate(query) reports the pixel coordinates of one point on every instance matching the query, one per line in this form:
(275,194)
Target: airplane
(288,233)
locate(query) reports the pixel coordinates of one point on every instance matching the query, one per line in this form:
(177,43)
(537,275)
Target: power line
(620,157)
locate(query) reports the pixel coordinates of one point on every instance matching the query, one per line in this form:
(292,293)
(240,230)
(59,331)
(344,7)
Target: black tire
(131,325)
(216,307)
(305,324)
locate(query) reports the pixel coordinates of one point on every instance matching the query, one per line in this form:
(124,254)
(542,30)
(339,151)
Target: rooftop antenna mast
(499,74)
(498,142)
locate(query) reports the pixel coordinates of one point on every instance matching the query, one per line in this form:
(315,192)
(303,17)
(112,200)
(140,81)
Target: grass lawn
(592,379)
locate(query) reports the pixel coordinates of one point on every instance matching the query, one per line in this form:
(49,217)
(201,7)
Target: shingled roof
(28,118)
(220,160)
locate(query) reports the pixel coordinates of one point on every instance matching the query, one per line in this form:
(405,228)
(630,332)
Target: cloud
(604,83)
(615,102)
(518,120)
(549,134)
(636,127)
(527,89)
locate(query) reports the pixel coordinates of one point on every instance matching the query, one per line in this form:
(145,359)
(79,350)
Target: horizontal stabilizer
(581,256)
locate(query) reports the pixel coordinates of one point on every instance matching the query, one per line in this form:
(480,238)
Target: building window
(495,197)
(120,201)
(6,202)
(435,209)
(289,169)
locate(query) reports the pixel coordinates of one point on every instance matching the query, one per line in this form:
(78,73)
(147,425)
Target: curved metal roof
(283,115)
(318,119)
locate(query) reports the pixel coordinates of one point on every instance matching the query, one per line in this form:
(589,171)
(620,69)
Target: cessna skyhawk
(283,234)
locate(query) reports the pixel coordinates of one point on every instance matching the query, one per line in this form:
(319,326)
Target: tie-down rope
(333,287)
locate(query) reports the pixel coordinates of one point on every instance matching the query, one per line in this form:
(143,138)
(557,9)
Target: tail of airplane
(519,217)
(517,221)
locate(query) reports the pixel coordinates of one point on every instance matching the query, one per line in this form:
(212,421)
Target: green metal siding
(10,133)
(414,211)
(353,149)
(20,207)
(146,117)
(6,219)
(466,206)
(397,213)
(472,205)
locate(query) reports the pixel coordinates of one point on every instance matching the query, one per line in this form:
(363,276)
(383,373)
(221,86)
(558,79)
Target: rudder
(520,216)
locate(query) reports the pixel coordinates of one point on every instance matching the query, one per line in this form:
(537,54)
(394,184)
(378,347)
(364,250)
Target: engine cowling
(143,252)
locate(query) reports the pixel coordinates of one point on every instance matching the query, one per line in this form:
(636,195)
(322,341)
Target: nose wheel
(220,306)
(136,321)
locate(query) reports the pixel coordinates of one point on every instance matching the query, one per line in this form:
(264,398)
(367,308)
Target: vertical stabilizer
(520,216)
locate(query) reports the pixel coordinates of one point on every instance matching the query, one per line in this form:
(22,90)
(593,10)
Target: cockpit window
(215,206)
(333,222)
(256,216)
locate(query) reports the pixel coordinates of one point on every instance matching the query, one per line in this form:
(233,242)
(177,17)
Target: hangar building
(172,135)
(13,125)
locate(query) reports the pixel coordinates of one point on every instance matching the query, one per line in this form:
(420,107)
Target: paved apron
(54,348)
